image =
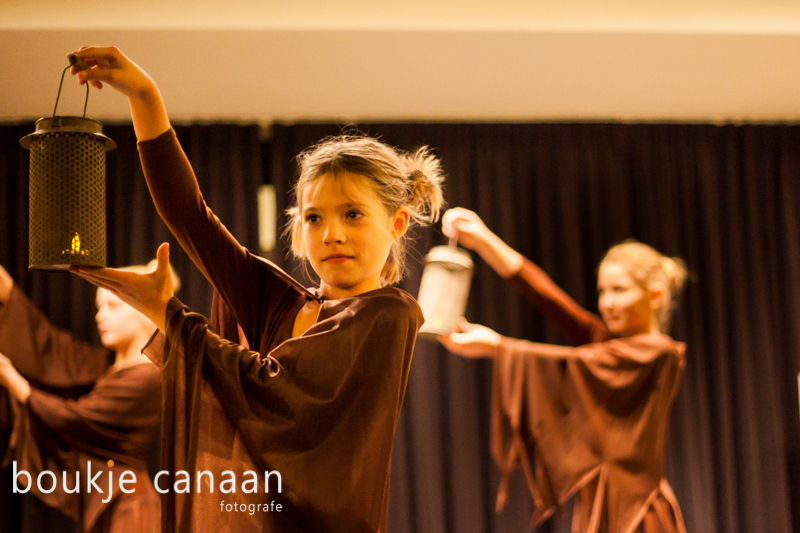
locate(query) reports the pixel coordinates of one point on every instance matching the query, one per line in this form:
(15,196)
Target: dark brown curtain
(725,198)
(228,162)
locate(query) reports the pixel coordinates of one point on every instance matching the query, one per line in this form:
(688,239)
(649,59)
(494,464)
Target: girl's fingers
(96,75)
(449,345)
(97,283)
(107,53)
(162,255)
(446,343)
(108,277)
(91,276)
(464,326)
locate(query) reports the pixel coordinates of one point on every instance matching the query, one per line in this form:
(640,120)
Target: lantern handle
(78,63)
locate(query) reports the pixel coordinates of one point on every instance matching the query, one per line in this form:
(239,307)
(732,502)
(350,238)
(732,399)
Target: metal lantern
(444,289)
(67,206)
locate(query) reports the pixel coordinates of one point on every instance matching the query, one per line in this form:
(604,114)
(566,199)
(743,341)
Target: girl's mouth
(336,258)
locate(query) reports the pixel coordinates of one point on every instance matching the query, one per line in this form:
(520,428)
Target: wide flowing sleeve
(44,353)
(320,409)
(117,419)
(98,437)
(236,274)
(577,324)
(587,418)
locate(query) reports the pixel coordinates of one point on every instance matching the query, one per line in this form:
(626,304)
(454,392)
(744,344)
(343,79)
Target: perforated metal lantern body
(67,208)
(444,289)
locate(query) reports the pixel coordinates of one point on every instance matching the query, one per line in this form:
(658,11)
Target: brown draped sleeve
(236,274)
(117,419)
(320,409)
(589,421)
(576,323)
(43,353)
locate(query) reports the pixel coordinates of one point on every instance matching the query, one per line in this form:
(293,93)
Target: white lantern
(444,289)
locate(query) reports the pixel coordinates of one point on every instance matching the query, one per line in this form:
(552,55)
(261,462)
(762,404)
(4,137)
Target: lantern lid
(67,124)
(449,254)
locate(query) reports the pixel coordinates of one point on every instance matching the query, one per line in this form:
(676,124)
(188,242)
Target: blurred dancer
(588,421)
(109,431)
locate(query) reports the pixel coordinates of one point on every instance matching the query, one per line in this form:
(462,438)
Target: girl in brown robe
(590,421)
(295,436)
(109,430)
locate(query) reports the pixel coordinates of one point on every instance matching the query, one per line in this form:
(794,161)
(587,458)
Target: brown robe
(589,421)
(319,409)
(116,421)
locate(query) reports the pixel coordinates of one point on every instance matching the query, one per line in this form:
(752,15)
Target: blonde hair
(398,179)
(650,268)
(151,267)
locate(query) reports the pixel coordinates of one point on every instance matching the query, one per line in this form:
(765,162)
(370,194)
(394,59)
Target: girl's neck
(331,292)
(131,354)
(653,329)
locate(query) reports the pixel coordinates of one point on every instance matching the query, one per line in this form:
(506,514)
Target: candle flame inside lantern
(75,247)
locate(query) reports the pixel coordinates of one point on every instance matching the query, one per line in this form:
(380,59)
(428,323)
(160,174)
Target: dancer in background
(588,421)
(111,429)
(318,402)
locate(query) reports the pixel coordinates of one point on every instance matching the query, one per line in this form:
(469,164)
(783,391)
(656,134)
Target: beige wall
(514,60)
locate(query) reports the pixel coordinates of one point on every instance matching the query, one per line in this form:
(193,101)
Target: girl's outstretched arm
(110,66)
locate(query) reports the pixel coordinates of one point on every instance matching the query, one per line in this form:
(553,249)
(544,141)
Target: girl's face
(626,306)
(118,323)
(347,233)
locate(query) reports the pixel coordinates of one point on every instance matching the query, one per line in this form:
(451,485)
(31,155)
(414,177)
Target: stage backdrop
(723,197)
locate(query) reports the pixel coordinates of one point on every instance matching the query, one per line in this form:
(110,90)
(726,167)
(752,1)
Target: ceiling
(505,60)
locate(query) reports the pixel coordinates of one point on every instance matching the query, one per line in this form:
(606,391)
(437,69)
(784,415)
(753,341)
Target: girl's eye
(312,218)
(354,215)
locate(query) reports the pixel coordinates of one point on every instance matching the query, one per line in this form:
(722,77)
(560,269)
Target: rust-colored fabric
(587,421)
(117,420)
(319,409)
(576,323)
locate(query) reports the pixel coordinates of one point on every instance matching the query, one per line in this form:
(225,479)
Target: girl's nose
(333,233)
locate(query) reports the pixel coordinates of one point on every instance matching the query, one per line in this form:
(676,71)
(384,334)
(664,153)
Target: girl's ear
(400,222)
(656,293)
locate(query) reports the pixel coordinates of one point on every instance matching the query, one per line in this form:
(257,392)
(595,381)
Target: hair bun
(425,179)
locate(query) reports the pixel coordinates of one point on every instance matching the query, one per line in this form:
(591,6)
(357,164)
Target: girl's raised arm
(578,325)
(223,261)
(471,232)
